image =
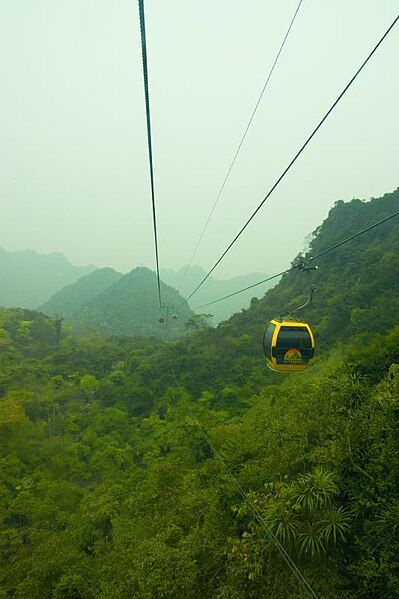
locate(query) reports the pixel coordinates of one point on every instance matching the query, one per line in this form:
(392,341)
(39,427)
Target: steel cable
(255,511)
(233,161)
(319,255)
(149,141)
(294,159)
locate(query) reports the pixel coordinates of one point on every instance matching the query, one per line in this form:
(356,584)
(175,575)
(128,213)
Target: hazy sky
(73,147)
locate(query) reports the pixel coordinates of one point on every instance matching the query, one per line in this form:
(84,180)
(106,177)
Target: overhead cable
(261,520)
(253,508)
(233,161)
(149,141)
(300,265)
(294,159)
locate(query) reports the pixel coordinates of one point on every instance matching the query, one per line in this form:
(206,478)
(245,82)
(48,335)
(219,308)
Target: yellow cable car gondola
(288,345)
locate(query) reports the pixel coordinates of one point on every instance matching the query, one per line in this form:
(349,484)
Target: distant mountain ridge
(71,299)
(117,304)
(215,288)
(27,278)
(31,280)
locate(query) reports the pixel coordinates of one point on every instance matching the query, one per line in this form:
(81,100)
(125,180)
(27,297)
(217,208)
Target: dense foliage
(122,460)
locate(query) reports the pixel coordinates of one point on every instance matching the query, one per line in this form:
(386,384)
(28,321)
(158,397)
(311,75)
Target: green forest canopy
(108,485)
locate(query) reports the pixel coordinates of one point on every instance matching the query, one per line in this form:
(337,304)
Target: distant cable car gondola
(288,345)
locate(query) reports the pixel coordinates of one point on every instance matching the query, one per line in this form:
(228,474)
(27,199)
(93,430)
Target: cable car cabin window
(297,337)
(294,346)
(267,338)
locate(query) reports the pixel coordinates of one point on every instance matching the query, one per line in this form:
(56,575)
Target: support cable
(253,508)
(233,161)
(299,266)
(294,159)
(149,140)
(258,516)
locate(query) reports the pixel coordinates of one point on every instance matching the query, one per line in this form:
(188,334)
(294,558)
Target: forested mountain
(186,279)
(137,469)
(357,285)
(27,279)
(71,299)
(117,304)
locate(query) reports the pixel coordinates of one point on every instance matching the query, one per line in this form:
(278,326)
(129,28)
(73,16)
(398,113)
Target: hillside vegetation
(357,285)
(71,299)
(110,486)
